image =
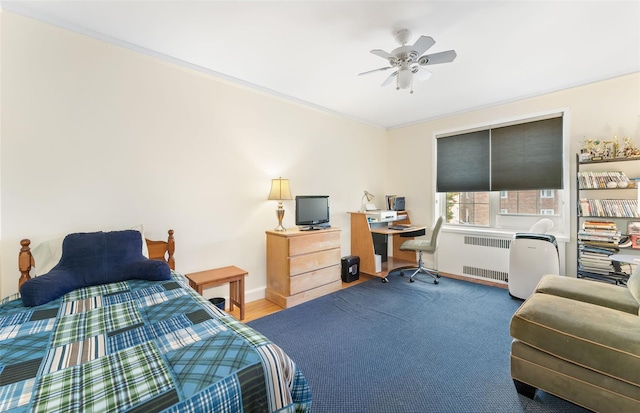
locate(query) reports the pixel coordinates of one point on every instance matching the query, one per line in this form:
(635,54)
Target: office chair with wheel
(422,246)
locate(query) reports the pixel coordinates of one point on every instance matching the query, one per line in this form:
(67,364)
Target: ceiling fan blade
(382,54)
(421,73)
(437,58)
(423,44)
(390,78)
(375,70)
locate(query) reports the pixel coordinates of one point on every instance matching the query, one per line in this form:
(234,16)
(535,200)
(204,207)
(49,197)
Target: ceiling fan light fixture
(405,77)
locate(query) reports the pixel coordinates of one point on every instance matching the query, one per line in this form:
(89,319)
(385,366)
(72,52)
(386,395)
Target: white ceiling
(312,51)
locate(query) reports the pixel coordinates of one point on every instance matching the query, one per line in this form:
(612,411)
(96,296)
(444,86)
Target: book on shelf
(394,202)
(601,244)
(606,267)
(596,270)
(594,249)
(599,224)
(611,208)
(603,180)
(599,232)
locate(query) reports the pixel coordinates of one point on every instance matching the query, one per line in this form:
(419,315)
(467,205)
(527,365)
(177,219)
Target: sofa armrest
(602,294)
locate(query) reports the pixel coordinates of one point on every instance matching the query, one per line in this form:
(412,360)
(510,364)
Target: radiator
(479,257)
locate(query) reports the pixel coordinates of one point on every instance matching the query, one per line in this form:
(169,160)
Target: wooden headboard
(158,250)
(163,250)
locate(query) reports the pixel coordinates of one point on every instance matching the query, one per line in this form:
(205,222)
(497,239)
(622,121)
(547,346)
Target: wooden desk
(211,278)
(362,243)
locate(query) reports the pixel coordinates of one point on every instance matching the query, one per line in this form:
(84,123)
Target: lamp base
(280,215)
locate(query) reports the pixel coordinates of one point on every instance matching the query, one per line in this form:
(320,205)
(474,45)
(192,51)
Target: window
(529,202)
(471,208)
(507,170)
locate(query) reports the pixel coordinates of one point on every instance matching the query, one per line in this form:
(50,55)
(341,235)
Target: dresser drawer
(314,242)
(314,279)
(314,261)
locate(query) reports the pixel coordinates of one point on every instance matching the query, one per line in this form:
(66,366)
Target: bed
(138,344)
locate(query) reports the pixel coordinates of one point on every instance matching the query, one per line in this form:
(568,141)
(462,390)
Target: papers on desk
(400,227)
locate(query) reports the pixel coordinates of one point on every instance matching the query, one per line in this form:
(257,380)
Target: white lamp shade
(280,190)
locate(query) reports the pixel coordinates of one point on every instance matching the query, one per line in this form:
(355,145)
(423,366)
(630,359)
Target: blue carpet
(407,347)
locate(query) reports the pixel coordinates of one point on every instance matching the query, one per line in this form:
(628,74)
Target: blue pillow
(92,259)
(48,287)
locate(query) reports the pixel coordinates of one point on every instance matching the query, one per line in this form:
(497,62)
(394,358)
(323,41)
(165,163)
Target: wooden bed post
(25,261)
(163,250)
(171,247)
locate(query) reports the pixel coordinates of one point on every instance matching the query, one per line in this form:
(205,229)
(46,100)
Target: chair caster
(411,280)
(385,280)
(435,281)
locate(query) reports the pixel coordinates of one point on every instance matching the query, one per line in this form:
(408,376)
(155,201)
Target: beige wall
(97,137)
(600,110)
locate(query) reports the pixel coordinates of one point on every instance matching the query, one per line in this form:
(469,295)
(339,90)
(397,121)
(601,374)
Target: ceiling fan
(408,62)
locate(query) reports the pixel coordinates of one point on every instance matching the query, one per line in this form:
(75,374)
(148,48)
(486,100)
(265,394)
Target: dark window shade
(527,156)
(510,158)
(463,163)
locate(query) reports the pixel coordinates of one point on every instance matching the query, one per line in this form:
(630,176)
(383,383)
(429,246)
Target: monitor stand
(315,227)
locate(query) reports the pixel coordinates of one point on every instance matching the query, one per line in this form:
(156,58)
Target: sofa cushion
(606,295)
(571,381)
(93,259)
(602,339)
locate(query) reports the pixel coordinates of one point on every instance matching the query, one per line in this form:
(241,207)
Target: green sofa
(580,340)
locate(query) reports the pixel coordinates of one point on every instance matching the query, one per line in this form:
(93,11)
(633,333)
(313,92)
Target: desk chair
(422,246)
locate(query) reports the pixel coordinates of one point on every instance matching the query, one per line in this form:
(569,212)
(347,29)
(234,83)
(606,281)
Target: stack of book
(597,241)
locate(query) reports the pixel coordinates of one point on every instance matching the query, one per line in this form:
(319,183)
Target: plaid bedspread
(140,346)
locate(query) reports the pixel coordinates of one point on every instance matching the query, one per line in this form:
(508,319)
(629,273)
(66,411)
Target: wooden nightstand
(218,276)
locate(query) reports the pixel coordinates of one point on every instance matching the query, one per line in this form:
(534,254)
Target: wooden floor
(263,307)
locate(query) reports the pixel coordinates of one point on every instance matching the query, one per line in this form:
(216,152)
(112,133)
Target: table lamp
(366,198)
(280,191)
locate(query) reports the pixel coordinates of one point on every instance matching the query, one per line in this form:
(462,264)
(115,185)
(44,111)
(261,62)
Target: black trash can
(218,302)
(350,268)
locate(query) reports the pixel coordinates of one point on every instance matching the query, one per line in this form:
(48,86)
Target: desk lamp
(369,197)
(280,191)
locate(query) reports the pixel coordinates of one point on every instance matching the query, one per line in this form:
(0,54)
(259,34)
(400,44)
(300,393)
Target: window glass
(471,208)
(535,202)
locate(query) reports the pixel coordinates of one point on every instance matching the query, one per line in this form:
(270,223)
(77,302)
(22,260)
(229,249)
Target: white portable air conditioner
(530,257)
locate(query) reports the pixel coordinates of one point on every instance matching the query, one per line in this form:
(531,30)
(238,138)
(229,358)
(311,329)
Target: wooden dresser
(302,265)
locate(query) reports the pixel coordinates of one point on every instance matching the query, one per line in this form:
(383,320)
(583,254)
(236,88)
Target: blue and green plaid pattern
(76,327)
(16,394)
(140,346)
